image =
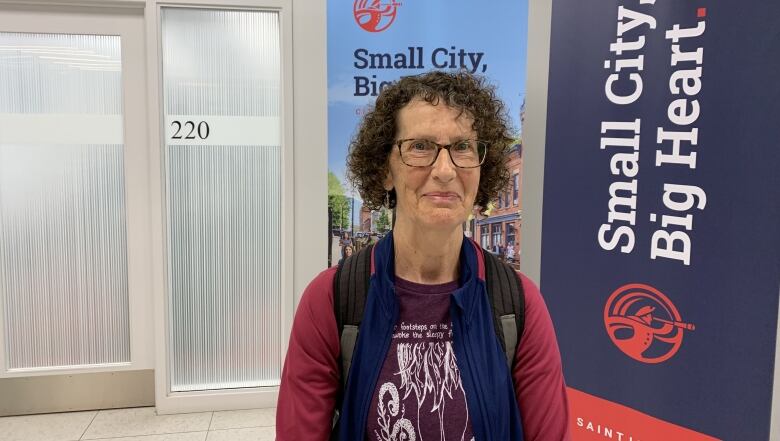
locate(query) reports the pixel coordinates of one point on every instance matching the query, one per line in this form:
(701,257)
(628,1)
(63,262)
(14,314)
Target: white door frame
(179,402)
(123,18)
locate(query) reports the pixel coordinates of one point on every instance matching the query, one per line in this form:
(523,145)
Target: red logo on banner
(373,15)
(644,323)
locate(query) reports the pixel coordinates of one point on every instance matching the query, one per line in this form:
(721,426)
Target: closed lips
(443,195)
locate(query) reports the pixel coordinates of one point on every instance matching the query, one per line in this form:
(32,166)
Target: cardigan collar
(471,279)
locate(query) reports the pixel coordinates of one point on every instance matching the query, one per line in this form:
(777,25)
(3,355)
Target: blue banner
(660,239)
(372,43)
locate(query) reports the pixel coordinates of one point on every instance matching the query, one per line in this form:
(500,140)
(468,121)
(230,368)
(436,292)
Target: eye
(419,145)
(462,146)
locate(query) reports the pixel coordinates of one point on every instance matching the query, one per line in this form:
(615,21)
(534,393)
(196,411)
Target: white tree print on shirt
(429,371)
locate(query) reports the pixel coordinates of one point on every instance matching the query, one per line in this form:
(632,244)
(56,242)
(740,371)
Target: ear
(387,183)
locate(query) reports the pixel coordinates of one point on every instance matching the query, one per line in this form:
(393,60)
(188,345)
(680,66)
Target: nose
(443,169)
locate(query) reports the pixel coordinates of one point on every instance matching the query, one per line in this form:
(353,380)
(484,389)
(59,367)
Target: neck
(424,256)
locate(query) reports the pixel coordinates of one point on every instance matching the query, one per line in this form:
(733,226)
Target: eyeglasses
(467,153)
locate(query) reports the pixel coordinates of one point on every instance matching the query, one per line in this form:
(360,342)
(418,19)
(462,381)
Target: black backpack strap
(350,288)
(508,298)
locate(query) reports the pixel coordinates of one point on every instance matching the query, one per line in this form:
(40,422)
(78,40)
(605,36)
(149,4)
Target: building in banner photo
(499,230)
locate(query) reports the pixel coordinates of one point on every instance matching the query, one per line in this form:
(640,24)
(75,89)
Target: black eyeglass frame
(439,148)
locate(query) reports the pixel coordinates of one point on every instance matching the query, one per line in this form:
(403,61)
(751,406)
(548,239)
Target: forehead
(419,117)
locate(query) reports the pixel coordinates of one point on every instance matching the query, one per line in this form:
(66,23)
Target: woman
(345,253)
(427,363)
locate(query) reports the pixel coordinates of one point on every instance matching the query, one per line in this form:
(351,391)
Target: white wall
(539,16)
(311,141)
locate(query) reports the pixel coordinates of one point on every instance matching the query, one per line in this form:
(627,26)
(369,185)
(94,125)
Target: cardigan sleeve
(310,377)
(538,376)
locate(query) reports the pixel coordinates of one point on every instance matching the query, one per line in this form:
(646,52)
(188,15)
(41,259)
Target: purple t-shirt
(419,394)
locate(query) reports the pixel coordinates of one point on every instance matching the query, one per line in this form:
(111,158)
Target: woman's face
(348,251)
(442,195)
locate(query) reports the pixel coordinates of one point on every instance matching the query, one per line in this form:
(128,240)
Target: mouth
(442,196)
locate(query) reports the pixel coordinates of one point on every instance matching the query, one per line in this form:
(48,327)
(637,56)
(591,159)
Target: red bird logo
(644,324)
(373,15)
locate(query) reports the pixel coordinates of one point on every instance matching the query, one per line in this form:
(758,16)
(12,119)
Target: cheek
(414,180)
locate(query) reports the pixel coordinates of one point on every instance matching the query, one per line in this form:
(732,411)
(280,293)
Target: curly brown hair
(367,163)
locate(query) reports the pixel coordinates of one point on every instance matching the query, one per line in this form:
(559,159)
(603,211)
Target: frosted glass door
(221,83)
(63,253)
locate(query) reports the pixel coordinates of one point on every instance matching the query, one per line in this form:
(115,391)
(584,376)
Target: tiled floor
(141,424)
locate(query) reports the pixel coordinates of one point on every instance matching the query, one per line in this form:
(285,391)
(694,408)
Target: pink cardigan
(310,379)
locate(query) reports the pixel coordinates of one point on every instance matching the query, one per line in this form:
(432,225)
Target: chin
(442,218)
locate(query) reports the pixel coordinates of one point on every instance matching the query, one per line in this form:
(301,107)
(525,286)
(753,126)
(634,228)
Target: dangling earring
(387,199)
